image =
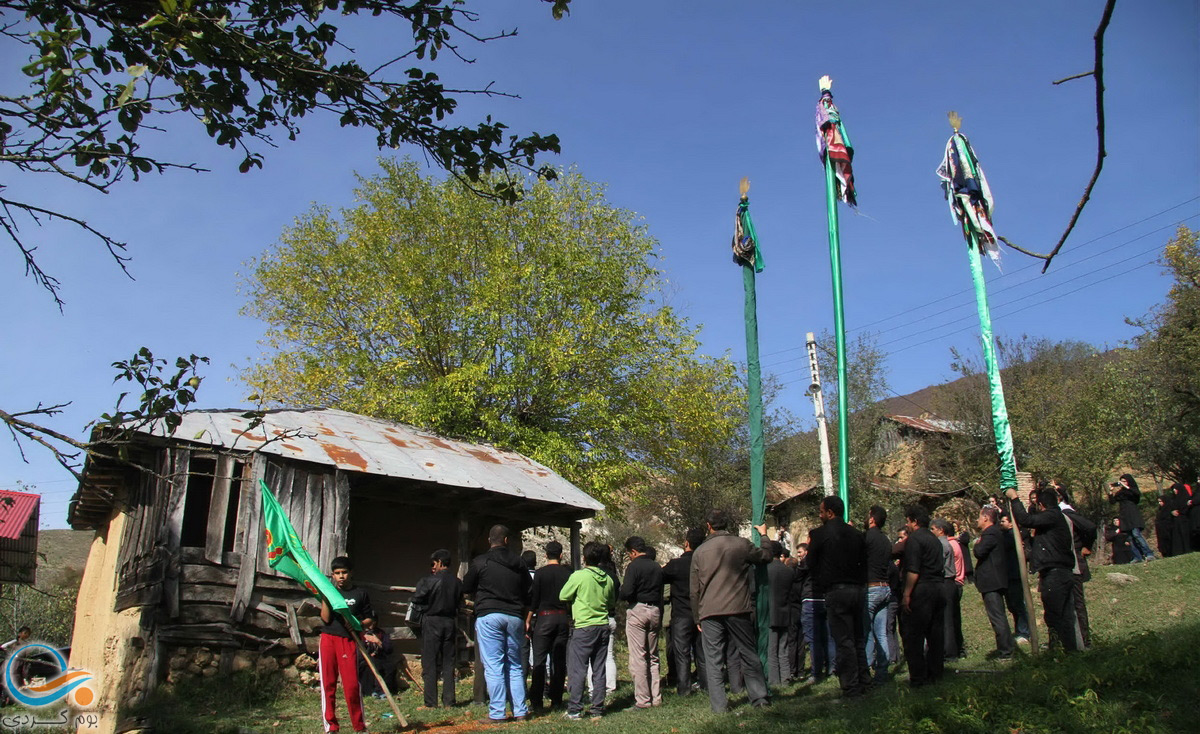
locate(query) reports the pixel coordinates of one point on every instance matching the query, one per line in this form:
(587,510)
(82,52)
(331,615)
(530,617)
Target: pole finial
(955,120)
(825,83)
(743,187)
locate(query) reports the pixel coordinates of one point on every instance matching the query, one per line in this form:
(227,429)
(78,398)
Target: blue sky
(670,104)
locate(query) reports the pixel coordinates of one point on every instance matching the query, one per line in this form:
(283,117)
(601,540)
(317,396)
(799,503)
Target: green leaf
(155,20)
(126,92)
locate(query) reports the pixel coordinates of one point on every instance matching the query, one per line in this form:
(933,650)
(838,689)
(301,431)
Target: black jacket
(439,593)
(643,582)
(1083,533)
(780,577)
(678,573)
(837,554)
(923,556)
(1122,551)
(879,554)
(1053,544)
(991,571)
(1126,500)
(500,582)
(547,582)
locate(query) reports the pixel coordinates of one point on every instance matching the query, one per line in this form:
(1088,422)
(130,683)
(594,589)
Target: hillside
(62,555)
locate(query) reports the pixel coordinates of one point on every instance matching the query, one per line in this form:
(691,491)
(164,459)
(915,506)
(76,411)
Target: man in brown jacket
(720,591)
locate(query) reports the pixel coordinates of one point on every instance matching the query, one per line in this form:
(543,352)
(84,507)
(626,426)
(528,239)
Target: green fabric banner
(839,331)
(1000,425)
(758,495)
(286,553)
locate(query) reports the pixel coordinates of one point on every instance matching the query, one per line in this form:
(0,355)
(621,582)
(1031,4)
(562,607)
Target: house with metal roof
(18,536)
(178,560)
(908,451)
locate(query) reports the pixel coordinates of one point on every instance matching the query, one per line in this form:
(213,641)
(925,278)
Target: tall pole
(818,398)
(833,143)
(1001,428)
(758,494)
(839,331)
(747,254)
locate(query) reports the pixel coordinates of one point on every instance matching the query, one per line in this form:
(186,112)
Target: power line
(1011,301)
(1020,270)
(1026,307)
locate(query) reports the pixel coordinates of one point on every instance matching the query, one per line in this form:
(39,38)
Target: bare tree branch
(1098,74)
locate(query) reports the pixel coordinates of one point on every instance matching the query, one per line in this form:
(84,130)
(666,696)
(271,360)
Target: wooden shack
(177,582)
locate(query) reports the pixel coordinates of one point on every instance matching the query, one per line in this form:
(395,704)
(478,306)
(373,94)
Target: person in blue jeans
(500,582)
(816,628)
(1124,493)
(879,593)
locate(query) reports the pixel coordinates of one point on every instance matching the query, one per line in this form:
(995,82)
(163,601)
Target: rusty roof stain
(358,443)
(343,456)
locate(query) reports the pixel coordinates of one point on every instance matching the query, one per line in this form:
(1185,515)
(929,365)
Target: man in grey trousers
(720,587)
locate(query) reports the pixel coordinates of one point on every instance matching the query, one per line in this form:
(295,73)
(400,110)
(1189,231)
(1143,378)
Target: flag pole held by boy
(285,553)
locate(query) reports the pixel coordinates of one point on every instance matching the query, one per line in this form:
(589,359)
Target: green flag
(286,553)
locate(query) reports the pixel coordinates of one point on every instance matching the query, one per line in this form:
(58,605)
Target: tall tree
(539,326)
(1061,402)
(1161,408)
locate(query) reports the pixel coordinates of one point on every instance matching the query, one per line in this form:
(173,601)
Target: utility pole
(818,398)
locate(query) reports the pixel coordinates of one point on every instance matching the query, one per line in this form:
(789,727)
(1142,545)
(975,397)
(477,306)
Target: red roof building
(18,536)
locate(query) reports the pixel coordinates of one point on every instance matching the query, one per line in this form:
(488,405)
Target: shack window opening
(231,511)
(201,472)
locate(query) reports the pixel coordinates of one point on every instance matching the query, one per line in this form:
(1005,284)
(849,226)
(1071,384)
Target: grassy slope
(1143,675)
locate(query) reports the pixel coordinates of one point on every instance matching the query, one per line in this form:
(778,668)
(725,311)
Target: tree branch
(1098,74)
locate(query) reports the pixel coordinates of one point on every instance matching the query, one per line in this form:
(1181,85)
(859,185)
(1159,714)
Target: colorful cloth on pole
(745,239)
(286,553)
(833,141)
(967,192)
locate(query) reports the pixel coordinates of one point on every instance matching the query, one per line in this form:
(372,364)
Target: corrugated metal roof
(929,424)
(15,513)
(357,443)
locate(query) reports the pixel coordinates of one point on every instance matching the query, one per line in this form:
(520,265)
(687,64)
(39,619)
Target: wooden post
(576,552)
(1024,486)
(382,684)
(464,545)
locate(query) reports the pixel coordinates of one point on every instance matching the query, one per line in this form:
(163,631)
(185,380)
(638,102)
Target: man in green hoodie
(593,597)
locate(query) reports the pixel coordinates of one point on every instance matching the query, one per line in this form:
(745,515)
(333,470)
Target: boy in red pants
(339,654)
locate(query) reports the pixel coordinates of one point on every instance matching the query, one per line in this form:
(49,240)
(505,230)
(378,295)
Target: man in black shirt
(879,592)
(642,591)
(1054,558)
(924,604)
(549,625)
(837,555)
(779,579)
(500,582)
(797,648)
(440,596)
(685,638)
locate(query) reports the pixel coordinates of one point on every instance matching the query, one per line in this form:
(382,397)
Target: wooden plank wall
(141,564)
(250,538)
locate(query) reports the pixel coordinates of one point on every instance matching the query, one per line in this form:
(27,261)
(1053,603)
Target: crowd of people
(848,603)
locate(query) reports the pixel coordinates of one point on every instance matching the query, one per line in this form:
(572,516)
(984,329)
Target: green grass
(1141,676)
